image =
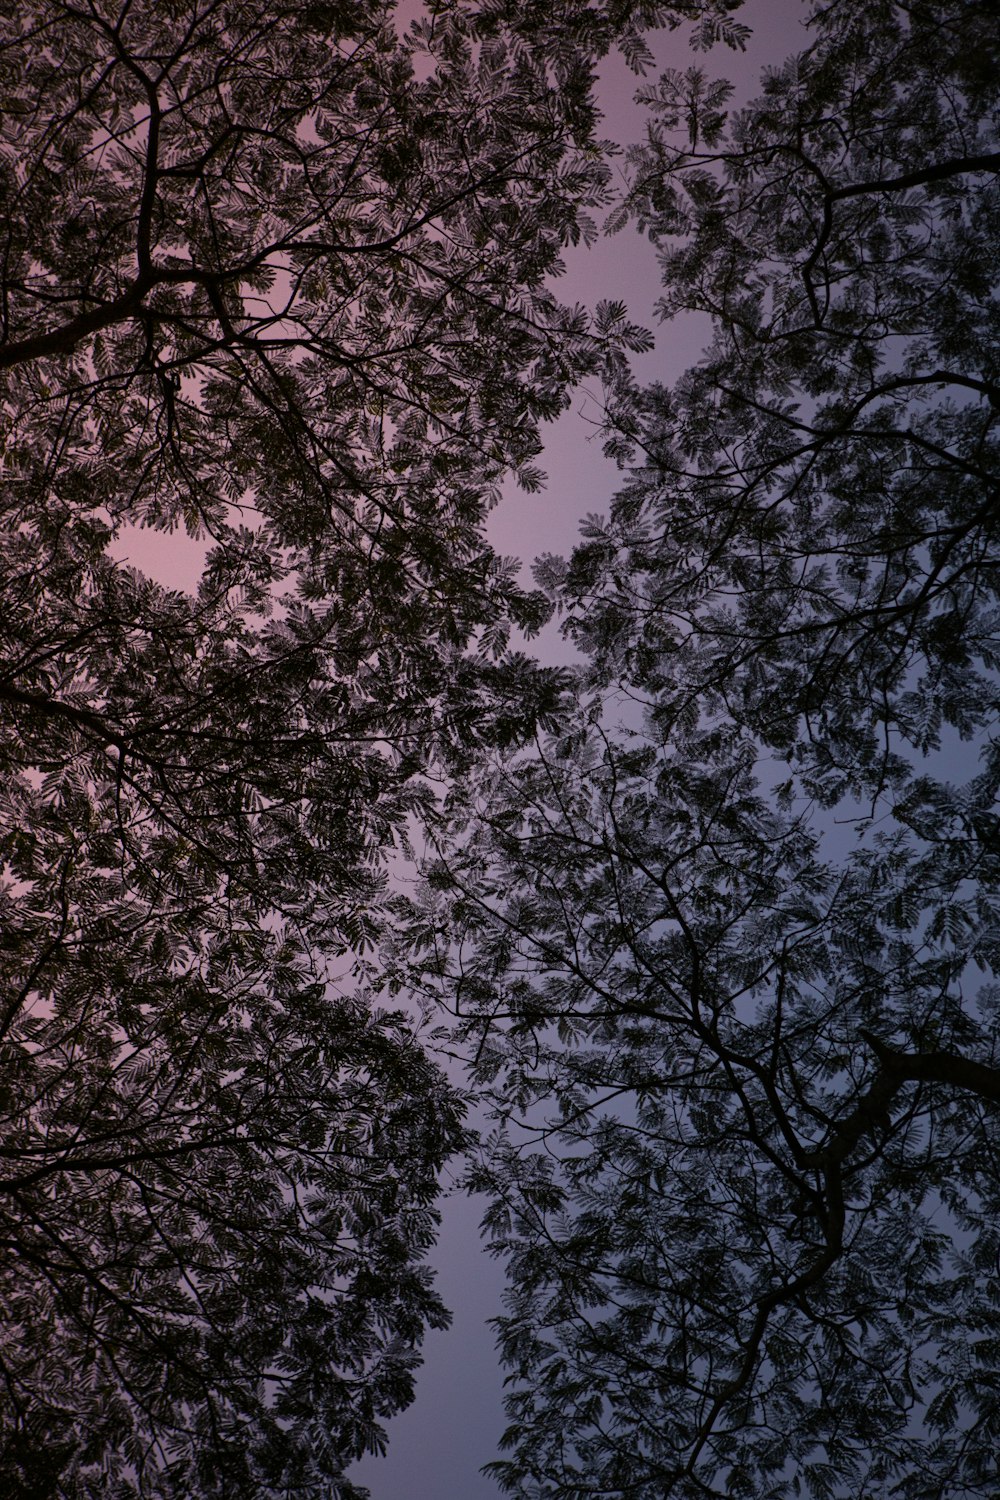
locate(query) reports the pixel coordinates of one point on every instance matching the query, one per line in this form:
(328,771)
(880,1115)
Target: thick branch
(938,1067)
(63,340)
(56,708)
(954,166)
(895,1070)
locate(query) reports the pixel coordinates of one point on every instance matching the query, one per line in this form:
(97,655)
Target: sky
(436,1446)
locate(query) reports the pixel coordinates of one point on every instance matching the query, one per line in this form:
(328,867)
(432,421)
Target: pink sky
(438,1444)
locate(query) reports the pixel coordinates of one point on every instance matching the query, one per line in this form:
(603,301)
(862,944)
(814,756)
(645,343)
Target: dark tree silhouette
(274,274)
(728,977)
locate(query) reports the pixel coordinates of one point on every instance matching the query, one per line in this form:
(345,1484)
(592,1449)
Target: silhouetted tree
(727,977)
(275,274)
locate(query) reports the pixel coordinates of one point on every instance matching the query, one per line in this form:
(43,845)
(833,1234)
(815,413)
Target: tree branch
(895,1070)
(954,166)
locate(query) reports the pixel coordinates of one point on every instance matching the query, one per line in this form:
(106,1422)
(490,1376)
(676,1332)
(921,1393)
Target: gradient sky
(438,1444)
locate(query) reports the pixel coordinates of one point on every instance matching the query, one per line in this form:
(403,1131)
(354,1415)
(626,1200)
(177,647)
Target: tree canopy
(273,275)
(723,947)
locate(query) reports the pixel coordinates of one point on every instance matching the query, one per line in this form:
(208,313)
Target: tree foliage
(273,276)
(723,948)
